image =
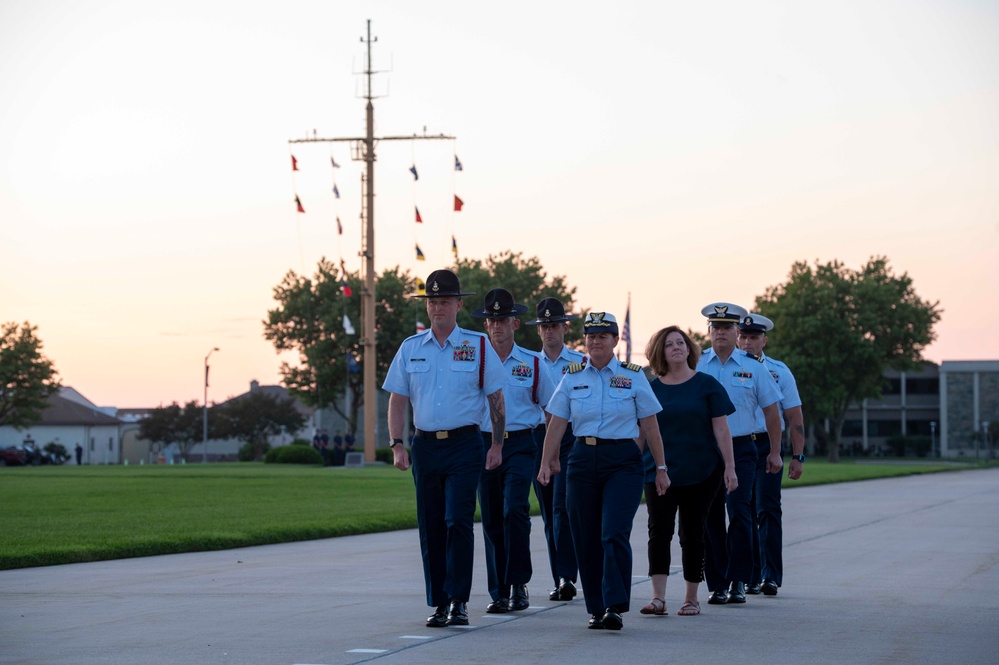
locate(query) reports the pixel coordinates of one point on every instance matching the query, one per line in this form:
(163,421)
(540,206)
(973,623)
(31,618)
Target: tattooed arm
(497,416)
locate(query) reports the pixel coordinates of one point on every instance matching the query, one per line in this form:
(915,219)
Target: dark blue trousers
(505,508)
(728,555)
(768,532)
(551,499)
(446,473)
(604,490)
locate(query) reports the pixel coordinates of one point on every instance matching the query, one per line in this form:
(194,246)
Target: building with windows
(955,405)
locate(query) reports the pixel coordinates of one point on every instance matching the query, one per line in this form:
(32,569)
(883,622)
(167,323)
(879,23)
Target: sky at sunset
(682,152)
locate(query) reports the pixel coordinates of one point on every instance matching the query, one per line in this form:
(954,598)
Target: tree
(310,311)
(27,378)
(838,330)
(175,424)
(526,279)
(309,320)
(254,418)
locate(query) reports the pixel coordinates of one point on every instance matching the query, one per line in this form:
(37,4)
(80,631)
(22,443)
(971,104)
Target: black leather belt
(518,432)
(750,437)
(596,441)
(447,433)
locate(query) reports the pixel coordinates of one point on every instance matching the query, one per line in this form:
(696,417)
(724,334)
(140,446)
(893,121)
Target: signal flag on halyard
(626,333)
(348,327)
(412,169)
(336,192)
(454,245)
(333,162)
(421,287)
(457,163)
(419,254)
(419,326)
(294,163)
(298,202)
(339,227)
(458,203)
(419,220)
(345,287)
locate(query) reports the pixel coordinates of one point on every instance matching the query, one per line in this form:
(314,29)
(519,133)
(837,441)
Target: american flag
(626,332)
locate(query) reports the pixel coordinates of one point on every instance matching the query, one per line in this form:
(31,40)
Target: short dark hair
(656,354)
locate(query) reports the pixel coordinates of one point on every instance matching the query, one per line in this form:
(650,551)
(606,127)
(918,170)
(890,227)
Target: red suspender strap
(534,390)
(482,361)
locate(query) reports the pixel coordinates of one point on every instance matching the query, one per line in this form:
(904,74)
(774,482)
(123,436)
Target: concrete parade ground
(902,570)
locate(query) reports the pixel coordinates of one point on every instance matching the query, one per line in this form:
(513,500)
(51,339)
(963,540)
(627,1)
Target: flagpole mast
(364,149)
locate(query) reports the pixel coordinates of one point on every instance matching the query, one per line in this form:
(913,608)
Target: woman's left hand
(662,482)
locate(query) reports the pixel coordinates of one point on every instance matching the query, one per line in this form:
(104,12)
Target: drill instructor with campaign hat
(505,491)
(553,325)
(446,372)
(610,404)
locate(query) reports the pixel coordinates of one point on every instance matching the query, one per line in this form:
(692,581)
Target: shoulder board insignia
(634,367)
(575,367)
(753,356)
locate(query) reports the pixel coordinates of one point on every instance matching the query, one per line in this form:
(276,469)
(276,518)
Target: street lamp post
(204,429)
(933,438)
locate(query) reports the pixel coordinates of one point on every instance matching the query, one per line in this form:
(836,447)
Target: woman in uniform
(610,405)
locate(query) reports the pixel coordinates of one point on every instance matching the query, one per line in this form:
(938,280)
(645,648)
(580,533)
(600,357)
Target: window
(930,386)
(892,387)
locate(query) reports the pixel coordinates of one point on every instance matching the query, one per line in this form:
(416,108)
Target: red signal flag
(458,203)
(298,202)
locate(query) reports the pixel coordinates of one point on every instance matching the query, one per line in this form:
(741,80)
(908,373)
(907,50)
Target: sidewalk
(887,571)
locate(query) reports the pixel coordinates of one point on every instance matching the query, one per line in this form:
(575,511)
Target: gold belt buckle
(590,440)
(506,435)
(441,434)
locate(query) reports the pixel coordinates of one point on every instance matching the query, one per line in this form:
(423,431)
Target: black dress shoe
(613,620)
(566,590)
(753,589)
(498,606)
(596,622)
(439,618)
(737,594)
(717,598)
(457,615)
(519,599)
(769,588)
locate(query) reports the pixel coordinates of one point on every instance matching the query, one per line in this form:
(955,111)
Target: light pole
(204,429)
(933,438)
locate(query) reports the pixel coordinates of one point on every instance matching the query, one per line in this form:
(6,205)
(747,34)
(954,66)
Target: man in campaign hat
(768,531)
(729,556)
(504,492)
(447,372)
(553,325)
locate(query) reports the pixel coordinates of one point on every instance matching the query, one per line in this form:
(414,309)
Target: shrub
(250,452)
(301,442)
(293,455)
(384,455)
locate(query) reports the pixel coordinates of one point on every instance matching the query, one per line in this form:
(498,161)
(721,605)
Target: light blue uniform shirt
(749,385)
(605,403)
(443,381)
(561,364)
(518,390)
(788,387)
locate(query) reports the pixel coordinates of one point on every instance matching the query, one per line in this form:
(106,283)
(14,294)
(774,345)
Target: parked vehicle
(13,456)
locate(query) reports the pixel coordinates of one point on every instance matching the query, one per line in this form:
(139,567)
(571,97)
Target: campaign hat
(499,304)
(551,310)
(443,284)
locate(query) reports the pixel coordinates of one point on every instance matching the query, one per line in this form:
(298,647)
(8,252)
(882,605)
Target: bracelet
(661,467)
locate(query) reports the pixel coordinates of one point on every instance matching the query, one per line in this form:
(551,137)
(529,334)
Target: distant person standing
(79,454)
(446,372)
(729,556)
(768,531)
(553,325)
(348,440)
(505,492)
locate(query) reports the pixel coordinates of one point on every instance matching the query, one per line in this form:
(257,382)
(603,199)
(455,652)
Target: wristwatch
(800,458)
(661,467)
(395,442)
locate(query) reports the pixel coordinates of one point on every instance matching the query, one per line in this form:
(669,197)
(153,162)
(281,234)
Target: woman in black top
(698,451)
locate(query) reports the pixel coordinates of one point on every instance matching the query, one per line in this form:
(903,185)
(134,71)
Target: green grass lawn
(67,514)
